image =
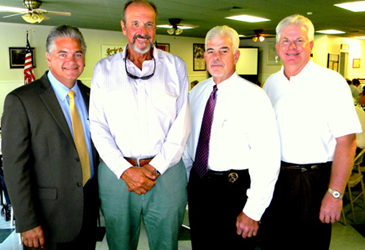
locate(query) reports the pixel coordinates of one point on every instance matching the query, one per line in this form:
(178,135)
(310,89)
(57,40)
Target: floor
(343,237)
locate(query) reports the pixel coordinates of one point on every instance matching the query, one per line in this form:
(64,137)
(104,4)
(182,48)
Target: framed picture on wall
(272,57)
(109,50)
(356,63)
(163,46)
(17,57)
(198,57)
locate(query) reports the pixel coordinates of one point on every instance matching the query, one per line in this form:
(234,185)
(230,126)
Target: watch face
(336,194)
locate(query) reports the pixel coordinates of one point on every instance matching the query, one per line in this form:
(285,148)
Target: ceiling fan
(259,35)
(175,28)
(32,13)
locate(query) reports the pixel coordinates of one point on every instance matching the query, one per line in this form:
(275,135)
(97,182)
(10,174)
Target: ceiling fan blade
(46,17)
(57,13)
(13,9)
(13,15)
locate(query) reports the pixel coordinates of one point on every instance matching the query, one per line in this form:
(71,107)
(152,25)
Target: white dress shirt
(312,109)
(140,118)
(244,136)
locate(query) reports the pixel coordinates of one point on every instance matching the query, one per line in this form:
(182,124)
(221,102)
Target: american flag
(28,66)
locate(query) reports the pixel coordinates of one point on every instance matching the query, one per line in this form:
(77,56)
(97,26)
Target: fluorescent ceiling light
(167,26)
(360,37)
(352,6)
(331,32)
(249,19)
(241,36)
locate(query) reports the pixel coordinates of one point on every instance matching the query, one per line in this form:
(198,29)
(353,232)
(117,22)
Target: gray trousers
(161,209)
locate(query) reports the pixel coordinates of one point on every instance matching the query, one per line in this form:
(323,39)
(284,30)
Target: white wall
(14,35)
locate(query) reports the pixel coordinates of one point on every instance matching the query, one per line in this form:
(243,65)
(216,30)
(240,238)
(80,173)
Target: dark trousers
(86,240)
(214,204)
(292,219)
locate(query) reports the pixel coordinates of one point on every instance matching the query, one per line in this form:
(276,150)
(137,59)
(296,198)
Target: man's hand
(152,175)
(138,180)
(330,211)
(34,238)
(246,226)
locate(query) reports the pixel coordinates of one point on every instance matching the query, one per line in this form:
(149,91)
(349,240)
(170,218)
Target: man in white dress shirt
(226,204)
(140,123)
(317,124)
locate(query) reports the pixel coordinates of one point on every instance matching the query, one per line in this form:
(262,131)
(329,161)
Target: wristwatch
(335,193)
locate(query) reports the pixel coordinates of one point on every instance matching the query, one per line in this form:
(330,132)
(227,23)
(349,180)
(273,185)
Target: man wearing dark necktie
(232,155)
(49,159)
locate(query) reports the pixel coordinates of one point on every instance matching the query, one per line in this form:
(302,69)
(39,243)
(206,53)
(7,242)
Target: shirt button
(79,184)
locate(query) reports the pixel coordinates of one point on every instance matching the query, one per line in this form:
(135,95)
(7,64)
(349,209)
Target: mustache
(216,64)
(142,37)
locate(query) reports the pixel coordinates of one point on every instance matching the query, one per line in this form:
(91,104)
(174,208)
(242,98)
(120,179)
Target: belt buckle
(232,177)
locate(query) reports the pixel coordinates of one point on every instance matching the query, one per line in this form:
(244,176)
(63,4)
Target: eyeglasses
(140,77)
(297,43)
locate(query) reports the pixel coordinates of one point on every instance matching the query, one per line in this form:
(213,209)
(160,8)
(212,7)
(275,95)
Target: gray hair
(64,31)
(223,31)
(296,20)
(138,1)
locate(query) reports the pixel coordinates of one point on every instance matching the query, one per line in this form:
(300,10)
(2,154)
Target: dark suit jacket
(41,165)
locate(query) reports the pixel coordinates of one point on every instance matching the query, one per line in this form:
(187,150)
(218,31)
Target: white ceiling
(106,14)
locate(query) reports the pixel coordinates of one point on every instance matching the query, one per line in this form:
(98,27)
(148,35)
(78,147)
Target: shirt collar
(302,72)
(60,89)
(233,77)
(155,52)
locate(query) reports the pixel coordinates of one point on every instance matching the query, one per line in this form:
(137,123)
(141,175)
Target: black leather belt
(304,167)
(230,175)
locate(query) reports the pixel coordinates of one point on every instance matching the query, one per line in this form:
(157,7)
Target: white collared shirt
(140,118)
(312,109)
(244,136)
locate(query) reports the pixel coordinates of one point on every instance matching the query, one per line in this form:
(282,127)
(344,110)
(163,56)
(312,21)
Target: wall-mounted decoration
(109,50)
(17,57)
(272,58)
(345,46)
(163,46)
(198,57)
(332,62)
(356,63)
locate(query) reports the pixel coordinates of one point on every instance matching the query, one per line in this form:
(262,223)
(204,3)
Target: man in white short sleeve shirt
(317,125)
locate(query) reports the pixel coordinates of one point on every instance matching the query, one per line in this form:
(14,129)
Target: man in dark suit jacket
(43,172)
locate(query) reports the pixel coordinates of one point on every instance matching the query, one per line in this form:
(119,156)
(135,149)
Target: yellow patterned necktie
(79,139)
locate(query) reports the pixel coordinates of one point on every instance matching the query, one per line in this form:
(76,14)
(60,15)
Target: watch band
(335,193)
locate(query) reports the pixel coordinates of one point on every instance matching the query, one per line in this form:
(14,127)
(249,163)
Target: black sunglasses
(140,77)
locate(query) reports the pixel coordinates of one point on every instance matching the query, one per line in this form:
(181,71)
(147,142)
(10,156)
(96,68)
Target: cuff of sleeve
(159,164)
(117,165)
(252,211)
